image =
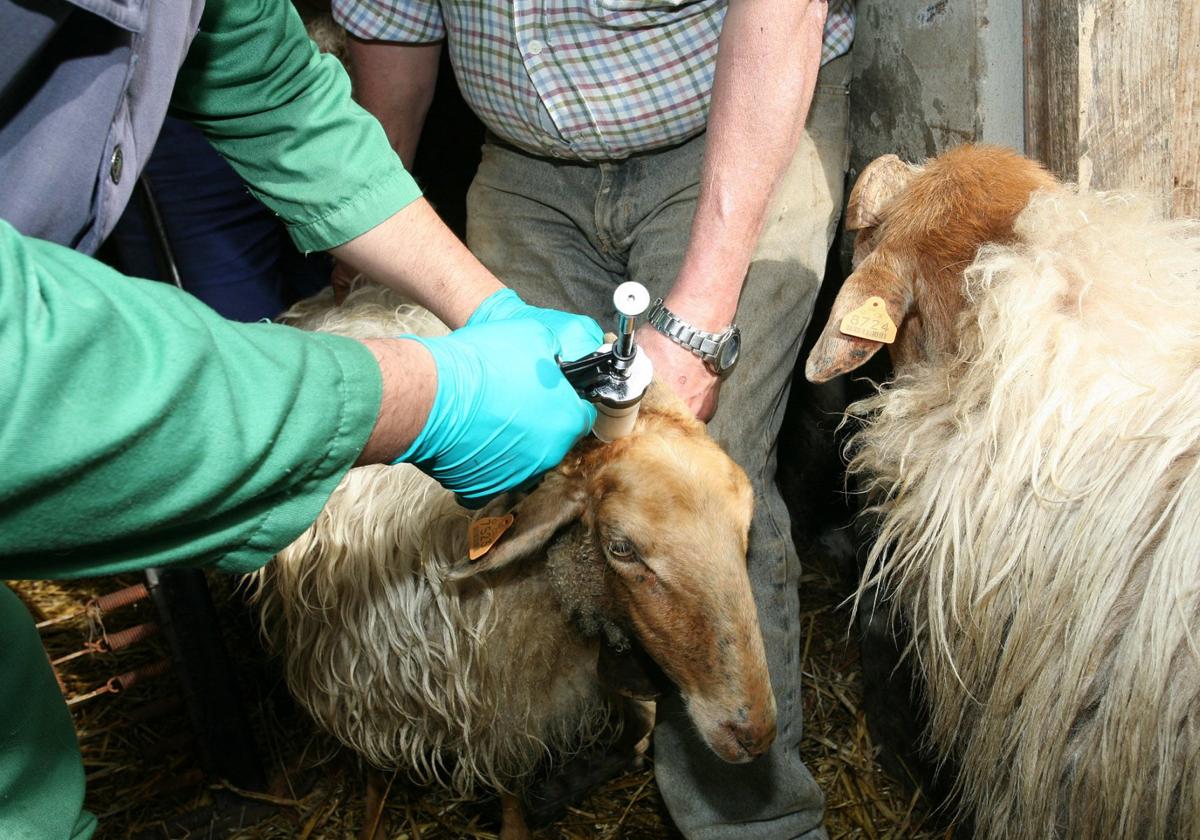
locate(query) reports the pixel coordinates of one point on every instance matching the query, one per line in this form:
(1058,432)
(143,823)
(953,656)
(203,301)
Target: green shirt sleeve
(281,113)
(140,428)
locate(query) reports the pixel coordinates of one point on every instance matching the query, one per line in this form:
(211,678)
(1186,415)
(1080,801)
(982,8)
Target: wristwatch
(718,350)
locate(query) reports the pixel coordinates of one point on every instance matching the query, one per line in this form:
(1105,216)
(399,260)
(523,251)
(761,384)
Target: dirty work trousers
(41,776)
(565,234)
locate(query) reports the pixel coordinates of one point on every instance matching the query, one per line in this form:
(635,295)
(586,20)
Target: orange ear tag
(484,532)
(871,321)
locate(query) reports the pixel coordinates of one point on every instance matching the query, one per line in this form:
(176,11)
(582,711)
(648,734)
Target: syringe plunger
(631,300)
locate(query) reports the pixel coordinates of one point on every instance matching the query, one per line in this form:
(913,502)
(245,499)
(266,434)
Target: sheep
(1035,471)
(470,673)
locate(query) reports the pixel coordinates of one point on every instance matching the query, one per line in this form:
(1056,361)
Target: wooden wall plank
(1127,60)
(1185,132)
(1113,95)
(1052,84)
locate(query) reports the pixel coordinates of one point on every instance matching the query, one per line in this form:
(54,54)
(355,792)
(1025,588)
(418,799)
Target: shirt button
(116,164)
(535,47)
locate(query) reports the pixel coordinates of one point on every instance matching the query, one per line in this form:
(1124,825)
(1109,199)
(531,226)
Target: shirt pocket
(636,14)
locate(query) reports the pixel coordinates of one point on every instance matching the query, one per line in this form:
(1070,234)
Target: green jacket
(139,428)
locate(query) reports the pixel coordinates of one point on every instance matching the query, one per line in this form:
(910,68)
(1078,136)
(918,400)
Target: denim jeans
(564,234)
(233,253)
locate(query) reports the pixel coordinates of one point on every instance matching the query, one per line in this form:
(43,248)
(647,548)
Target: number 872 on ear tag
(870,321)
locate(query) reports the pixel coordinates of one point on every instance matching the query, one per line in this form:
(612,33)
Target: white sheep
(1035,467)
(461,673)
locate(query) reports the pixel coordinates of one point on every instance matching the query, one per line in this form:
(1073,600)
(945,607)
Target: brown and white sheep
(1035,467)
(461,673)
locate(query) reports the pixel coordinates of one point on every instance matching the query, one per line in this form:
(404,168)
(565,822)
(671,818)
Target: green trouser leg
(41,774)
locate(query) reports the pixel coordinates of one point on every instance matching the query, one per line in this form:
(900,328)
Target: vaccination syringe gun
(615,377)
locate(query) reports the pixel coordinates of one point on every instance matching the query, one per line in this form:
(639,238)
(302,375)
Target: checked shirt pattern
(576,79)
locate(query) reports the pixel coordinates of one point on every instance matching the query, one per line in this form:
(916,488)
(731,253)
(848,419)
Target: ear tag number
(485,532)
(870,321)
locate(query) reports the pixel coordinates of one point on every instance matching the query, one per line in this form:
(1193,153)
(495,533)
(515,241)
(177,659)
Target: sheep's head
(917,229)
(646,540)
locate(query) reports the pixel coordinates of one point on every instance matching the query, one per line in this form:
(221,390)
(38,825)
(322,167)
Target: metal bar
(120,598)
(62,619)
(81,698)
(110,642)
(86,650)
(225,742)
(158,231)
(130,636)
(125,681)
(102,604)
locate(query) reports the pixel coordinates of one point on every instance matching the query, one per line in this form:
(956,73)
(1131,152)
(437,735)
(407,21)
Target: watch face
(727,356)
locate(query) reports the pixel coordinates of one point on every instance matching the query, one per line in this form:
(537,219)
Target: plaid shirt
(576,79)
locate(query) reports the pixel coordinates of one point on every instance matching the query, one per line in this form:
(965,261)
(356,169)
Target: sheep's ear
(880,181)
(836,352)
(556,502)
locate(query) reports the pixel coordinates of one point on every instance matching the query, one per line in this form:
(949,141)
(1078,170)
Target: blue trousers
(232,252)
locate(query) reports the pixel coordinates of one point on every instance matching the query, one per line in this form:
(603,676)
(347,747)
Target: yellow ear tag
(484,532)
(871,320)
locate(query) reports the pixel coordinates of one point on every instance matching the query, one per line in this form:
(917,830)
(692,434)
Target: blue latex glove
(577,334)
(503,413)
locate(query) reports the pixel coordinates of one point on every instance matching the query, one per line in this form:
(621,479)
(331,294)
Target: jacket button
(116,164)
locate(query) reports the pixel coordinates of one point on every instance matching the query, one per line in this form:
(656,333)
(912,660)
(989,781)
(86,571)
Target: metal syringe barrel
(617,406)
(631,300)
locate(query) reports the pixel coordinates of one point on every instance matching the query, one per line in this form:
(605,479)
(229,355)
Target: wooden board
(1113,94)
(1185,132)
(1052,85)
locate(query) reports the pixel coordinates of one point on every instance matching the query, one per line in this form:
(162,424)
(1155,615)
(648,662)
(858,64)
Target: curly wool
(456,682)
(1039,504)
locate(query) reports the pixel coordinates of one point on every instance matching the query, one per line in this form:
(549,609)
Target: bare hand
(695,384)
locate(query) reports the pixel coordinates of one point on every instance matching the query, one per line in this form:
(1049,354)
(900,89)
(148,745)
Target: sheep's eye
(621,549)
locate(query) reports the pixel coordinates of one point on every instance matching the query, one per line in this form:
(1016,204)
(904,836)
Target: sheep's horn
(880,181)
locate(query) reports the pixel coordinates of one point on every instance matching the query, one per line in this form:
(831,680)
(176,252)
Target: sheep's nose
(754,739)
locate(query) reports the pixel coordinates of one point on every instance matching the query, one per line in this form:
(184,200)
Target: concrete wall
(932,74)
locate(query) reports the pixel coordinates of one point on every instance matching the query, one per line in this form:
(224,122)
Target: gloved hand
(503,413)
(578,335)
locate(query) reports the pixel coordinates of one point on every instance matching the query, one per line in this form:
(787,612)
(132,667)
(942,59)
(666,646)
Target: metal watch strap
(701,342)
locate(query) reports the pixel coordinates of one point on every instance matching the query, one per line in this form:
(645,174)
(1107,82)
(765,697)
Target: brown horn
(880,181)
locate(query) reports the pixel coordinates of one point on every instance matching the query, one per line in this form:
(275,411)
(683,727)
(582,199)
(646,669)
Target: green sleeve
(140,428)
(281,113)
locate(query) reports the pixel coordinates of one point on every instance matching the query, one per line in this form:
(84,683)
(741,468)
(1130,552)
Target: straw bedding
(140,789)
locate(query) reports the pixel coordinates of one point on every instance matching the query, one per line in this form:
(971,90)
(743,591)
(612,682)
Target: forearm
(409,385)
(767,65)
(396,82)
(414,253)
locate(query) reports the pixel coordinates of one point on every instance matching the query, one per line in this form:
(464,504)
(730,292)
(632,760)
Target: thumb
(588,417)
(580,336)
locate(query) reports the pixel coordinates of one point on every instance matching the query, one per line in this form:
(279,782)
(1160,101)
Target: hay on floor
(143,774)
